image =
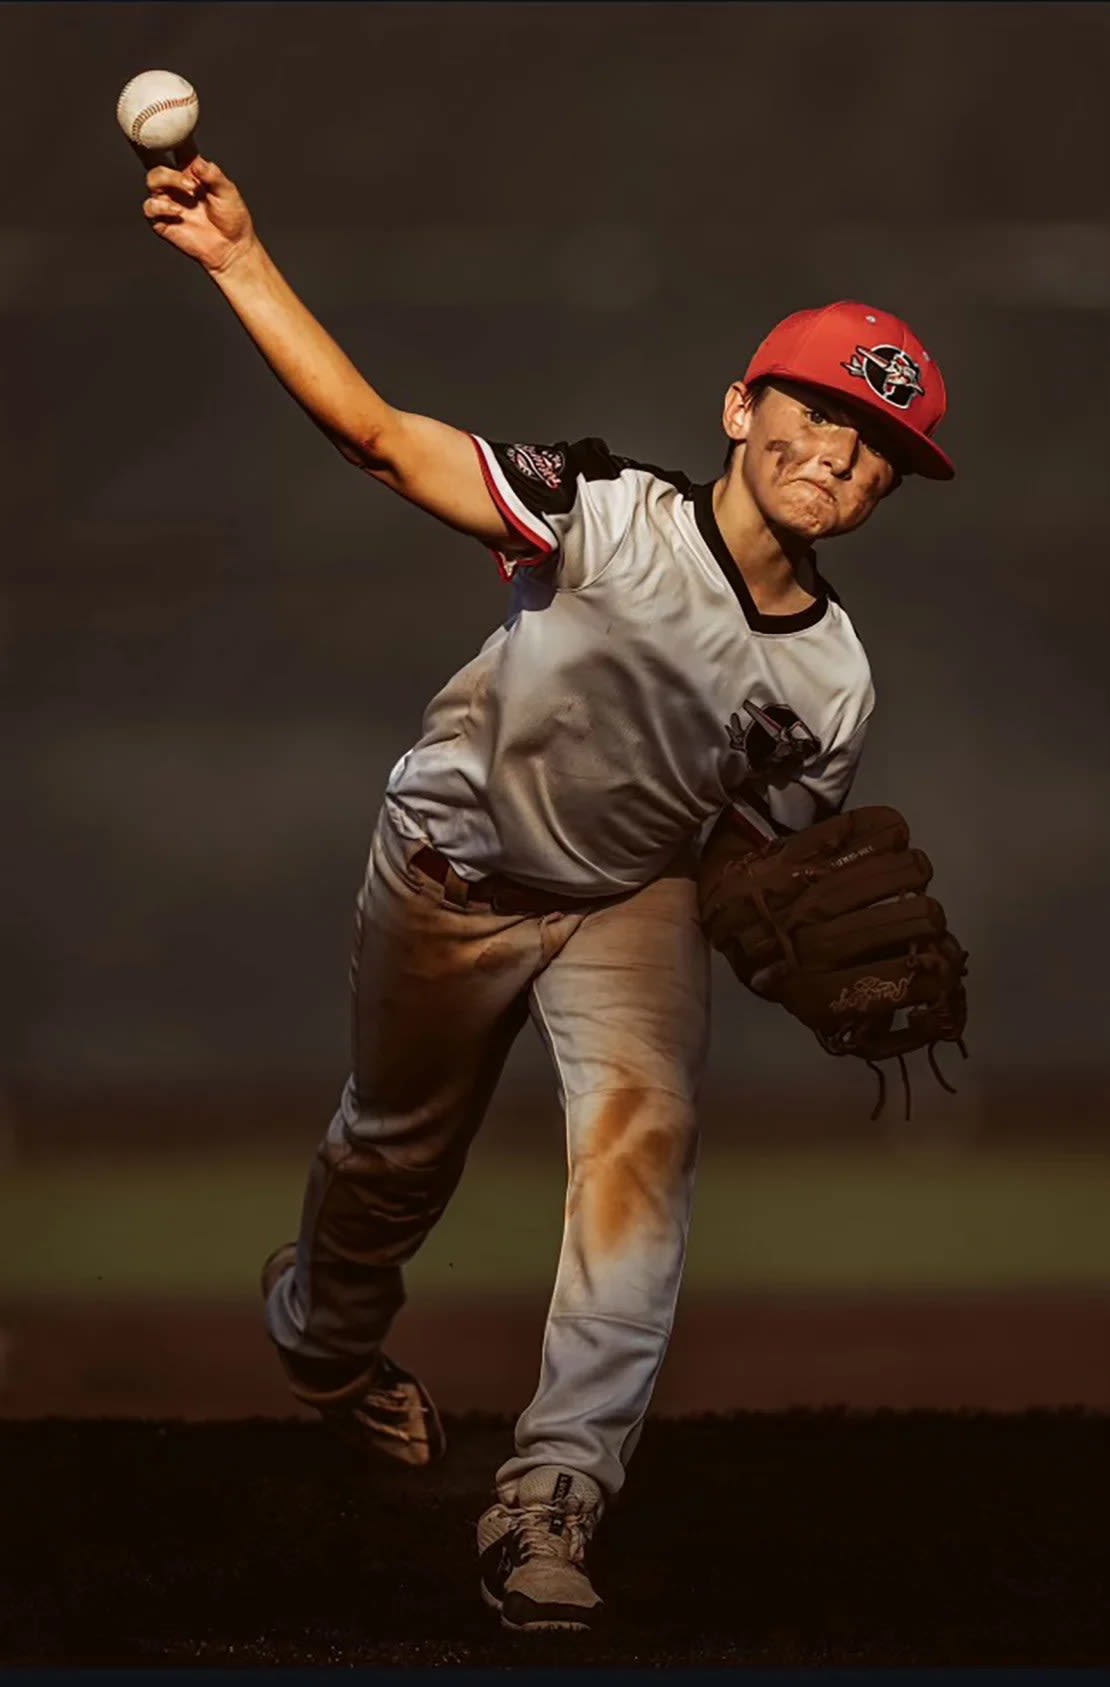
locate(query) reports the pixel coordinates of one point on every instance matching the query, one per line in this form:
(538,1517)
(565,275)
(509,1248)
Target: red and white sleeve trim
(541,541)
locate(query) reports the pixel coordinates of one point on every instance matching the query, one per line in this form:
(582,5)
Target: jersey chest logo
(775,742)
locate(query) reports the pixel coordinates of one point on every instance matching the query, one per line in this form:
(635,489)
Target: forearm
(201,212)
(303,355)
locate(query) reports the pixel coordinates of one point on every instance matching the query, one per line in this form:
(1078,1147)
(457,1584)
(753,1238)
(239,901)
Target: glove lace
(880,1103)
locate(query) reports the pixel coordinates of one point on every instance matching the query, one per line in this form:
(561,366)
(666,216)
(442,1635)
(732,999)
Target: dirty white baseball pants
(620,996)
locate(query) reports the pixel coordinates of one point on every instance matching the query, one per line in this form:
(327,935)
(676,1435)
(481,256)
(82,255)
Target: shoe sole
(413,1455)
(529,1628)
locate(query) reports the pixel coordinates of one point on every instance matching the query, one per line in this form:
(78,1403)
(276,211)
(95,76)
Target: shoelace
(388,1399)
(388,1387)
(392,1398)
(532,1523)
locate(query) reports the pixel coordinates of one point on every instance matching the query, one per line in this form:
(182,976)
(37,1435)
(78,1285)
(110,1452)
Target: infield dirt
(772,1539)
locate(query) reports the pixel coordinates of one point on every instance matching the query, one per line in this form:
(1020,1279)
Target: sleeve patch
(545,463)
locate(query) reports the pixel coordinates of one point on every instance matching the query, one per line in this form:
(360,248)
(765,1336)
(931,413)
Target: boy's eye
(815,414)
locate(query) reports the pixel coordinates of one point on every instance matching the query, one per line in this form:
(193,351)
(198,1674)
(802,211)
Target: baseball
(158,109)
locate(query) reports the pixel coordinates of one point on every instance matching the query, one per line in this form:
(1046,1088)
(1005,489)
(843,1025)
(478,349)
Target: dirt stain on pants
(619,993)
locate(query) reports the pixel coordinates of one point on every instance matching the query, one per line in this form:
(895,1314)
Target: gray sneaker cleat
(531,1547)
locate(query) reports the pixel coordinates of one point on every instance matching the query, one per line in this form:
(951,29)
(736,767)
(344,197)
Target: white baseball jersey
(633,692)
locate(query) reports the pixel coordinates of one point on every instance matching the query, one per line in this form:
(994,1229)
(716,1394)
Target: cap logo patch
(538,462)
(891,374)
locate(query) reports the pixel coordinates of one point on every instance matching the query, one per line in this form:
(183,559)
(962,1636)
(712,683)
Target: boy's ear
(737,411)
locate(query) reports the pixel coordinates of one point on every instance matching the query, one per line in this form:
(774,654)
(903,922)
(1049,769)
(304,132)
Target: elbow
(347,449)
(364,452)
(369,449)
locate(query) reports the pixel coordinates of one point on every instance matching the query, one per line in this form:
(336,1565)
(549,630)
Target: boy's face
(814,464)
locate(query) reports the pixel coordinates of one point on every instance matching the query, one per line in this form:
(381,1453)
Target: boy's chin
(807,525)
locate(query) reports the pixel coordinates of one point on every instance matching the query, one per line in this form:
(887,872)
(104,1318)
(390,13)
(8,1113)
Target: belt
(502,895)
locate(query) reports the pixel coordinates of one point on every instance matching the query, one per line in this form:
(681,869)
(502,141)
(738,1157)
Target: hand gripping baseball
(201,212)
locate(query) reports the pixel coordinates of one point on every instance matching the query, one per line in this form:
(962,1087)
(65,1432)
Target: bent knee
(632,1168)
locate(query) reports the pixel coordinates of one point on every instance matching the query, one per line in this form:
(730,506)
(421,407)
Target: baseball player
(670,655)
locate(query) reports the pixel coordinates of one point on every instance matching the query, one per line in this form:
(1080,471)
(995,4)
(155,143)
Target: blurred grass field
(198,1227)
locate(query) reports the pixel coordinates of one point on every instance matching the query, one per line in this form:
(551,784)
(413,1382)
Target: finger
(164,178)
(159,205)
(209,173)
(164,157)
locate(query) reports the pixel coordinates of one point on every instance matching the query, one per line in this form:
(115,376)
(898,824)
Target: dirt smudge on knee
(634,1154)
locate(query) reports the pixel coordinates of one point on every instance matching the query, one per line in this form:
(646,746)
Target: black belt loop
(501,895)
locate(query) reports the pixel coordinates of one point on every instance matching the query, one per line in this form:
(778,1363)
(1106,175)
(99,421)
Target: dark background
(538,221)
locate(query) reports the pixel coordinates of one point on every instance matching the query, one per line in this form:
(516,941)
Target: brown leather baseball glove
(834,924)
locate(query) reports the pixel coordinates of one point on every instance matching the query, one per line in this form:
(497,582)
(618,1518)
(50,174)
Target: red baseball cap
(871,357)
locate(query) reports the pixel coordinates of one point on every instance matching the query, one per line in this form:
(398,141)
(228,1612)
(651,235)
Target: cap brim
(925,458)
(922,455)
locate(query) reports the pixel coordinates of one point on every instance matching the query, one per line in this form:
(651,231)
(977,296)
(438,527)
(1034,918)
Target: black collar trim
(758,622)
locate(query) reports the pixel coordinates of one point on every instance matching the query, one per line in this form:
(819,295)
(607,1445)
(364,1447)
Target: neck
(778,567)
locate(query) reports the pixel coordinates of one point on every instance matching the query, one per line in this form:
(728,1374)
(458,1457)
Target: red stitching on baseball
(153,110)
